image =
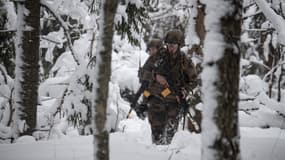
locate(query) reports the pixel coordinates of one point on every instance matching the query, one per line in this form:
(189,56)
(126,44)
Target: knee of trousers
(157,115)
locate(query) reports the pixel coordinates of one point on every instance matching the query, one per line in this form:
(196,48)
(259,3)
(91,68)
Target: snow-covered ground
(133,142)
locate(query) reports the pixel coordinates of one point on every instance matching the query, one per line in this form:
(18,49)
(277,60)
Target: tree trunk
(200,27)
(282,73)
(27,67)
(103,72)
(220,136)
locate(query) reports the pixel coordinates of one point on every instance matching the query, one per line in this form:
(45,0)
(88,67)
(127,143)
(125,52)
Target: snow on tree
(262,56)
(7,33)
(277,20)
(130,19)
(27,68)
(6,106)
(167,15)
(220,79)
(102,75)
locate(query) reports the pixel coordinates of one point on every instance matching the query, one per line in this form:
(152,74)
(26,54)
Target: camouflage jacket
(146,72)
(179,72)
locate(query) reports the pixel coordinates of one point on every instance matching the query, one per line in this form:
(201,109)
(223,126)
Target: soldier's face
(172,47)
(152,51)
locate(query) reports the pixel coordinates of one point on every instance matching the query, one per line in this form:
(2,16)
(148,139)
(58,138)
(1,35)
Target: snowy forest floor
(133,142)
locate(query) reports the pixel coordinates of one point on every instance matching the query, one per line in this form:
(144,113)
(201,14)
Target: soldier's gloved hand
(141,111)
(183,92)
(133,105)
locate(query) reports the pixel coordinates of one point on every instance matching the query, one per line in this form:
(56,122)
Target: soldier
(174,75)
(154,47)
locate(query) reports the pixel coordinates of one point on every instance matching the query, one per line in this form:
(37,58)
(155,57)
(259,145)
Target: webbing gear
(146,93)
(165,92)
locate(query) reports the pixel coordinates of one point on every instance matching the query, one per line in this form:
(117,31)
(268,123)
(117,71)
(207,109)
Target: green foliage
(7,53)
(79,115)
(136,20)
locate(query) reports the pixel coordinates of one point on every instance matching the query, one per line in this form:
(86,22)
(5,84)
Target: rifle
(183,105)
(184,109)
(134,100)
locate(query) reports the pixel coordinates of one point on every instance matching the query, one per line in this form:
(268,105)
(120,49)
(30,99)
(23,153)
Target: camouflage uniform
(163,111)
(146,73)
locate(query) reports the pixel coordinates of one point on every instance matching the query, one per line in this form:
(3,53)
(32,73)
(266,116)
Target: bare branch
(3,72)
(273,68)
(7,30)
(50,40)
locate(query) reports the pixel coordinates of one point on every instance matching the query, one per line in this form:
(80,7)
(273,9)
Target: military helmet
(155,42)
(174,36)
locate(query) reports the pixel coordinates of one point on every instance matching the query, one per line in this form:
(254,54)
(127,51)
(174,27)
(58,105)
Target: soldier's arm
(145,73)
(159,71)
(190,75)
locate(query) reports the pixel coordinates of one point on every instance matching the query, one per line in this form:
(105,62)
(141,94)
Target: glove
(141,111)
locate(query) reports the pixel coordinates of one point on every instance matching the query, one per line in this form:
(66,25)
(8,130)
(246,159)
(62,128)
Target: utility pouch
(165,92)
(146,93)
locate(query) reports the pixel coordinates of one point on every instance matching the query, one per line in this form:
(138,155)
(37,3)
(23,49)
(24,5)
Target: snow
(277,20)
(192,37)
(11,15)
(53,9)
(252,85)
(134,143)
(209,74)
(121,14)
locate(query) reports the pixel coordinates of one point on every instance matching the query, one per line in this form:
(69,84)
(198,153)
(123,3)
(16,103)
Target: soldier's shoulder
(186,60)
(187,57)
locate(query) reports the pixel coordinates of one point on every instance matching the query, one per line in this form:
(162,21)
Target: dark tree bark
(199,27)
(27,64)
(224,143)
(104,52)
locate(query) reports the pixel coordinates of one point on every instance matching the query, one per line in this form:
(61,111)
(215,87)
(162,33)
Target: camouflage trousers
(163,119)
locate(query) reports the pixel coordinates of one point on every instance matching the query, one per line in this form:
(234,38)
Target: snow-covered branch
(273,68)
(277,21)
(47,6)
(3,72)
(50,40)
(7,30)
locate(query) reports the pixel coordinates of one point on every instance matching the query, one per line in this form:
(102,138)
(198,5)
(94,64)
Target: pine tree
(27,67)
(220,136)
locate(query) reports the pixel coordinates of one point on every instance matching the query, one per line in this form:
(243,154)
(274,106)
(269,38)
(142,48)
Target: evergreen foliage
(136,19)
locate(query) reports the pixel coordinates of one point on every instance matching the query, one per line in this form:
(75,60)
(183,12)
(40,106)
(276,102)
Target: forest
(69,74)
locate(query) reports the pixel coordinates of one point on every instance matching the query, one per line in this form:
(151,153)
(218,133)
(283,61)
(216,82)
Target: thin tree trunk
(282,72)
(271,79)
(200,27)
(27,66)
(220,136)
(103,72)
